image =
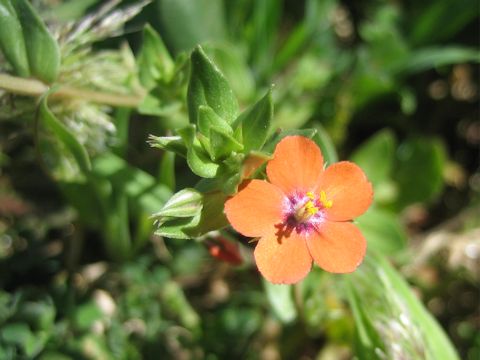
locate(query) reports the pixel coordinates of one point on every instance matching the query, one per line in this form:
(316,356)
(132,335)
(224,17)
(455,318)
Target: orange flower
(303,213)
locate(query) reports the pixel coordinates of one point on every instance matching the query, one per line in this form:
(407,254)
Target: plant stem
(33,87)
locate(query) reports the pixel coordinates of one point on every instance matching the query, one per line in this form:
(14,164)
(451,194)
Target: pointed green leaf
(255,123)
(42,49)
(208,118)
(231,182)
(154,60)
(222,144)
(211,217)
(12,43)
(170,143)
(175,228)
(64,135)
(208,86)
(197,158)
(185,203)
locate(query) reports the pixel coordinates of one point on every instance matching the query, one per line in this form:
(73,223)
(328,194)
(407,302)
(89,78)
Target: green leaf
(383,231)
(187,23)
(144,192)
(255,123)
(208,86)
(175,302)
(12,43)
(231,182)
(40,315)
(377,156)
(85,315)
(85,202)
(63,134)
(122,121)
(197,159)
(207,118)
(279,135)
(429,58)
(386,308)
(154,60)
(281,300)
(70,10)
(262,34)
(42,49)
(324,141)
(222,144)
(170,143)
(167,170)
(116,231)
(175,228)
(419,170)
(232,61)
(211,217)
(439,21)
(15,333)
(185,203)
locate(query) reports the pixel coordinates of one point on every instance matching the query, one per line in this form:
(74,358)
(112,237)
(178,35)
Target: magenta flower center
(303,212)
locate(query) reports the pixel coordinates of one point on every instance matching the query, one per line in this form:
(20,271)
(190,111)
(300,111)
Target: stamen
(325,202)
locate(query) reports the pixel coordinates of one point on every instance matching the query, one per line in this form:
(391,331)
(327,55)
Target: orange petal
(256,208)
(337,247)
(347,186)
(296,166)
(284,261)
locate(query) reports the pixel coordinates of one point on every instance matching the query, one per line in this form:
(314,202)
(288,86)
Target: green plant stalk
(32,87)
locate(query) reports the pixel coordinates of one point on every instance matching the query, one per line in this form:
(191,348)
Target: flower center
(311,206)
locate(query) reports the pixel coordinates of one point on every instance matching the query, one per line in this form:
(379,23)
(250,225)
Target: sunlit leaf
(391,322)
(185,203)
(255,123)
(208,86)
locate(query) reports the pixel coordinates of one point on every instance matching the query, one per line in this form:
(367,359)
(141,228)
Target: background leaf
(42,49)
(12,43)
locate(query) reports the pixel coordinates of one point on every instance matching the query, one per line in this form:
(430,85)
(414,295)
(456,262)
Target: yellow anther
(309,205)
(311,195)
(325,202)
(312,210)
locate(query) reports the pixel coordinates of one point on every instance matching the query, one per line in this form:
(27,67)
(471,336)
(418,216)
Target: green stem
(33,87)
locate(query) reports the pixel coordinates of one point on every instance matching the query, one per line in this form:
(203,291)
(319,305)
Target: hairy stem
(33,87)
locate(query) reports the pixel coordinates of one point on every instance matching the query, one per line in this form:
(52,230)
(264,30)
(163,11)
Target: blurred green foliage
(213,86)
